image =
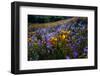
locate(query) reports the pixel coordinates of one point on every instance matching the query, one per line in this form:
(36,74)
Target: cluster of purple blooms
(76,45)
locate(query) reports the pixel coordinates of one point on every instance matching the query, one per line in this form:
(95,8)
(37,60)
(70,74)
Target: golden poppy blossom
(53,40)
(64,35)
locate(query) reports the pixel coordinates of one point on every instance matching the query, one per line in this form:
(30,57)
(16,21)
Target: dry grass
(52,24)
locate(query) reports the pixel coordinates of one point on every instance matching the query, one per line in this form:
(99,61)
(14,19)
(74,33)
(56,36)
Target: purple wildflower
(75,54)
(85,49)
(39,42)
(29,44)
(67,57)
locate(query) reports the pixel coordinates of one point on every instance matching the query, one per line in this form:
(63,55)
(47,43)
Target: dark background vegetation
(45,18)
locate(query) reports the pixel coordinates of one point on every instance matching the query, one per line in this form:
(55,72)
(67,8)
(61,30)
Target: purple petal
(75,54)
(67,57)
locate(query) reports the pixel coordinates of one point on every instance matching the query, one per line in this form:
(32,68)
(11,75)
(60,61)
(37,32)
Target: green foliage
(44,19)
(57,42)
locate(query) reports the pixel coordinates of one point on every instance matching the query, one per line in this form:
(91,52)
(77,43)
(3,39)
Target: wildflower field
(57,37)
